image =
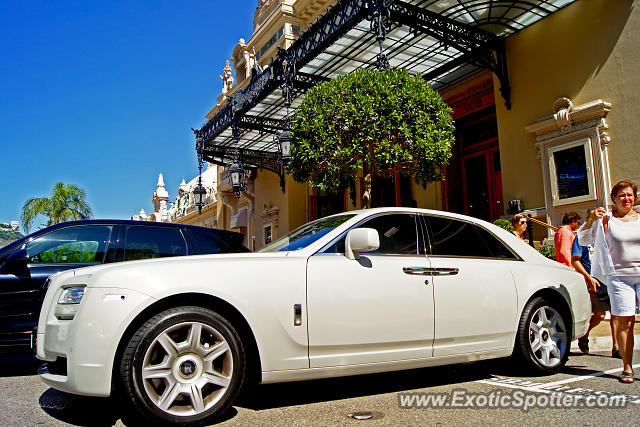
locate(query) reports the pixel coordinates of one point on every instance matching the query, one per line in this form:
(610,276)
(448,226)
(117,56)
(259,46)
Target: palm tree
(67,203)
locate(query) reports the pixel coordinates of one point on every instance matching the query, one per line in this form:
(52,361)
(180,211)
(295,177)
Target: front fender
(263,289)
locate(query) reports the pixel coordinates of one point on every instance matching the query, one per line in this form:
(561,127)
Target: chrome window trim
(427,225)
(356,225)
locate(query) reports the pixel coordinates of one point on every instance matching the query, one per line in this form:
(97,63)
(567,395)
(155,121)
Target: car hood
(175,263)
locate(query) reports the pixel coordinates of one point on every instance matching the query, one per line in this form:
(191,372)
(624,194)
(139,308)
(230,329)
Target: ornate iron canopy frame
(409,25)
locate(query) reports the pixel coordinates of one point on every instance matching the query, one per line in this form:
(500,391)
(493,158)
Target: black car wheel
(542,339)
(185,365)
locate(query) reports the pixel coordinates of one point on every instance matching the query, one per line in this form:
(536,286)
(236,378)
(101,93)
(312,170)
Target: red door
(482,184)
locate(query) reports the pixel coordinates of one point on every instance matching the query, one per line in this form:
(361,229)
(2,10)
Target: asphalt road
(26,401)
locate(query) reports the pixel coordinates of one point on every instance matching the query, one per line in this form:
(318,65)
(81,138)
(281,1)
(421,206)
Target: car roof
(13,245)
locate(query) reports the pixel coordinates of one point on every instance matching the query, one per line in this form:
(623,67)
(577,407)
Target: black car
(26,264)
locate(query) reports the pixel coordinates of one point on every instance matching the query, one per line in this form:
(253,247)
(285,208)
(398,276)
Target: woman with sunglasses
(519,223)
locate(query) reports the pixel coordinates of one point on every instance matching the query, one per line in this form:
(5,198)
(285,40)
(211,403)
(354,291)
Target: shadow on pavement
(299,393)
(94,411)
(18,365)
(78,410)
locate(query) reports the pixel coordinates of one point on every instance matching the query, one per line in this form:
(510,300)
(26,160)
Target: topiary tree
(372,121)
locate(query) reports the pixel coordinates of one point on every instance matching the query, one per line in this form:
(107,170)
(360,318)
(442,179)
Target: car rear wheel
(185,365)
(542,339)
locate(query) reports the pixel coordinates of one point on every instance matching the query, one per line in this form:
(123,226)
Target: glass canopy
(444,41)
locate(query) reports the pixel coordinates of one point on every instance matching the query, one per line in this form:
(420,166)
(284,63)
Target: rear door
(474,290)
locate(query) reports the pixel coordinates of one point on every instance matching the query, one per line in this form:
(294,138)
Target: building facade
(548,131)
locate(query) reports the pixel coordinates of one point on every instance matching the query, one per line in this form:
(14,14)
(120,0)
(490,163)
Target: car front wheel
(542,338)
(184,365)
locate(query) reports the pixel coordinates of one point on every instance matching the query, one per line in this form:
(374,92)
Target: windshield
(303,236)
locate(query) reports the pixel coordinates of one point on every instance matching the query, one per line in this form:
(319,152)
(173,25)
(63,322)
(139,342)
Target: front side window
(144,242)
(397,233)
(452,237)
(85,244)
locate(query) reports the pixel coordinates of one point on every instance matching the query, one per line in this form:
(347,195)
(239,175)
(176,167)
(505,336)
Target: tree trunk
(366,191)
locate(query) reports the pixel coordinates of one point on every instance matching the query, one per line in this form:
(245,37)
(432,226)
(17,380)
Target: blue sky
(102,94)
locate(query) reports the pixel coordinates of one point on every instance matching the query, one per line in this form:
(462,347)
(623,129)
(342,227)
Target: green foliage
(8,236)
(548,250)
(67,203)
(371,120)
(70,253)
(503,223)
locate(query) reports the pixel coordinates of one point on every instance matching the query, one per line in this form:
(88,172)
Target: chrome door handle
(444,271)
(417,271)
(426,271)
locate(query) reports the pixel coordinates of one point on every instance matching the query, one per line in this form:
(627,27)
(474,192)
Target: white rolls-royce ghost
(359,292)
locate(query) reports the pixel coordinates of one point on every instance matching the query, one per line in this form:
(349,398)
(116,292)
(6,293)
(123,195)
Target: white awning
(239,219)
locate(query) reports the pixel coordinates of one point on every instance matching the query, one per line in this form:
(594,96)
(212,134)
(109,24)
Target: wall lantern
(237,176)
(285,145)
(200,194)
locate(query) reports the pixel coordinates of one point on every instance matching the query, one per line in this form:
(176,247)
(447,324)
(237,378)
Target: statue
(227,79)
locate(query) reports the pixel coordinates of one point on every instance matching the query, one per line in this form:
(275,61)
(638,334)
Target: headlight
(71,295)
(68,302)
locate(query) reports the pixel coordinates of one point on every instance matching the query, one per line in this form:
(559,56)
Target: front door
(371,310)
(21,294)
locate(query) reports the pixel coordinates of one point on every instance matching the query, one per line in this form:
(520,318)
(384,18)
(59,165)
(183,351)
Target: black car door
(21,289)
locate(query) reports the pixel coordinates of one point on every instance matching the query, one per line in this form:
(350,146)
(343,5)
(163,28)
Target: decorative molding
(597,109)
(270,214)
(567,128)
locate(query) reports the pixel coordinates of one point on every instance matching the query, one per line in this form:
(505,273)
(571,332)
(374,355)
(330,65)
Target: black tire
(185,365)
(543,338)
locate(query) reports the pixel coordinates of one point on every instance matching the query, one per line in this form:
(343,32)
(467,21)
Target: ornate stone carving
(269,214)
(227,79)
(575,127)
(561,109)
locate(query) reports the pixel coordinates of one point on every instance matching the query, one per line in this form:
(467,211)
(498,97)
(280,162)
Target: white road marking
(559,386)
(593,375)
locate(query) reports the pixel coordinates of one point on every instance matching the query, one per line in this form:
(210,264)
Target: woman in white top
(616,261)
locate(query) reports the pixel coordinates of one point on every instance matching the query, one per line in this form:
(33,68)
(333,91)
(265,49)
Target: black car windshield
(305,235)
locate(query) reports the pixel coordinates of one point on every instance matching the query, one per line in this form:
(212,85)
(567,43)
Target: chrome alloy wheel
(187,368)
(547,336)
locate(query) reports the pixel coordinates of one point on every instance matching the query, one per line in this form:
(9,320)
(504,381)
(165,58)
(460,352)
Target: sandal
(583,345)
(626,377)
(616,354)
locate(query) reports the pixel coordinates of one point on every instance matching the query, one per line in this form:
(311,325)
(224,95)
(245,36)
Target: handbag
(601,292)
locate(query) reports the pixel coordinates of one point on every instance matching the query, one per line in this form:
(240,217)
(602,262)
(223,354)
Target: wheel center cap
(188,368)
(545,335)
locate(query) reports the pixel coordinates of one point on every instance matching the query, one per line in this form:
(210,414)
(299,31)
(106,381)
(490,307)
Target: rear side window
(204,243)
(142,242)
(86,244)
(451,237)
(215,241)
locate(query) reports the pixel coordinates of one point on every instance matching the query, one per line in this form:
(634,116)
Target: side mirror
(360,240)
(16,262)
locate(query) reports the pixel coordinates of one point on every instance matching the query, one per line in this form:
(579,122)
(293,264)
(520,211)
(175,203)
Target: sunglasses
(524,221)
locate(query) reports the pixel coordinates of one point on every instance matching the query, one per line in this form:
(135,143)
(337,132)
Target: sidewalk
(600,337)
